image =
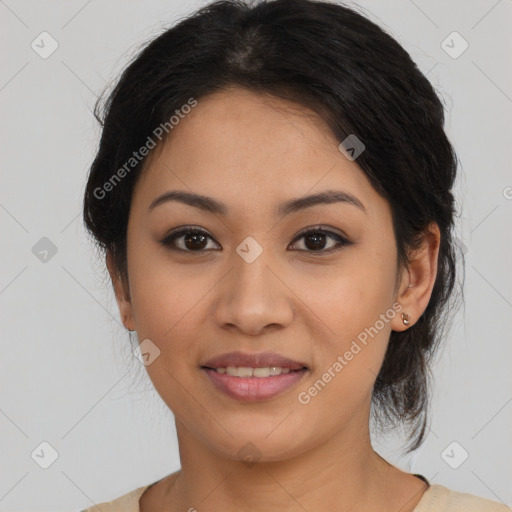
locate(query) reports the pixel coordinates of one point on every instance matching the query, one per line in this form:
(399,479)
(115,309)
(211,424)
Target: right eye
(188,239)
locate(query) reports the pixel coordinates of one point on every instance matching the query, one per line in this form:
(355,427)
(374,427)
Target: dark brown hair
(338,63)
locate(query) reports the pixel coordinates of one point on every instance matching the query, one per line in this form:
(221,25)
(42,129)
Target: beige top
(436,498)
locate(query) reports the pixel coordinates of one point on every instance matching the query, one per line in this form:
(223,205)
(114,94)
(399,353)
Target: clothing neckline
(425,496)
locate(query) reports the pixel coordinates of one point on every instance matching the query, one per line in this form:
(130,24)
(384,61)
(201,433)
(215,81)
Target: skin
(253,152)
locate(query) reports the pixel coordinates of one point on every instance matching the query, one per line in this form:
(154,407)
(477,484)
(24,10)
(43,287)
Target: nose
(253,297)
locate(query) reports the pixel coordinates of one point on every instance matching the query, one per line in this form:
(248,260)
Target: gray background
(67,376)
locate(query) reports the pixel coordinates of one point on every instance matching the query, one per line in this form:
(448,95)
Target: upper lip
(257,360)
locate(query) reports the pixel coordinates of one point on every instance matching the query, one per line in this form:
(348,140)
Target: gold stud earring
(406,318)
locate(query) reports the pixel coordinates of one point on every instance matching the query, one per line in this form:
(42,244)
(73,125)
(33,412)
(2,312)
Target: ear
(122,294)
(418,279)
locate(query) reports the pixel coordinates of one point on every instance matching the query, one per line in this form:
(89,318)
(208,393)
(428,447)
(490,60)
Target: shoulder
(438,498)
(128,502)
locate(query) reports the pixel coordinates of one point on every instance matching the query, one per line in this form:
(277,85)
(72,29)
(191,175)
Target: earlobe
(418,279)
(122,295)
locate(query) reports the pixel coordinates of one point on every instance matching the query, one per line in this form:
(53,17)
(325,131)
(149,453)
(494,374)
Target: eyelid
(185,228)
(321,228)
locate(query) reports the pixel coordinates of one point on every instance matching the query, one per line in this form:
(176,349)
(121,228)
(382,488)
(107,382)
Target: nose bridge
(253,297)
(251,273)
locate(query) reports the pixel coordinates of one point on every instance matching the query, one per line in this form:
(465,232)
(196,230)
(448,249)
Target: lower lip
(253,389)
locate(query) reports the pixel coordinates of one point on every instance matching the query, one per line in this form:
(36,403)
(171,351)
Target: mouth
(247,371)
(255,361)
(253,377)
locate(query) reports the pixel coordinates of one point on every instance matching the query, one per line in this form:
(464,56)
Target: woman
(273,193)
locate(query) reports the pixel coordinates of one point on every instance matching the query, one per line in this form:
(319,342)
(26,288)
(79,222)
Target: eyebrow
(211,205)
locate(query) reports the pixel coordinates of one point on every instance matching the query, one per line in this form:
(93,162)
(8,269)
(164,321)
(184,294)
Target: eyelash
(342,241)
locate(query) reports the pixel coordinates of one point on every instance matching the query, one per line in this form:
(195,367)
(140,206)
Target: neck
(342,473)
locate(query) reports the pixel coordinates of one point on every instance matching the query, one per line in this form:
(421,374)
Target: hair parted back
(359,80)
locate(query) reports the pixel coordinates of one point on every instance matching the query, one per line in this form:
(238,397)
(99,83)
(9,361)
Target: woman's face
(254,284)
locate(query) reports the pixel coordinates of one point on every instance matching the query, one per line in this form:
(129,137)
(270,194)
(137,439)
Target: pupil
(318,240)
(194,237)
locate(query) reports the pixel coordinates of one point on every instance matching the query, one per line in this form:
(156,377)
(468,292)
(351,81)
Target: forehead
(249,149)
(245,121)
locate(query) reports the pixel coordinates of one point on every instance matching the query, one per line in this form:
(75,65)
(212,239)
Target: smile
(245,371)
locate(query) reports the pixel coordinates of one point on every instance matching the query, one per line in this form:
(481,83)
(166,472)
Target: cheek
(354,297)
(357,309)
(163,294)
(170,309)
(348,361)
(166,309)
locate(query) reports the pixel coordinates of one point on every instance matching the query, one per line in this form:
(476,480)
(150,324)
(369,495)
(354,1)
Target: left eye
(317,239)
(195,240)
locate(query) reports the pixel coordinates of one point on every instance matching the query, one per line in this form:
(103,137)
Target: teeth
(244,371)
(241,371)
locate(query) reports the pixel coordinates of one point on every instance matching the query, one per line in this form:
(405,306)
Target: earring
(406,318)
